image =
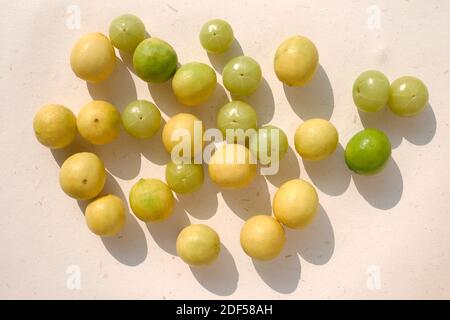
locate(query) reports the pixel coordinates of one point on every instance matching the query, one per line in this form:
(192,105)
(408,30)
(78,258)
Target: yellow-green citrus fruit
(409,96)
(216,36)
(198,245)
(105,216)
(231,166)
(295,203)
(99,122)
(55,126)
(184,177)
(371,91)
(296,61)
(316,139)
(93,57)
(262,237)
(82,176)
(126,32)
(151,200)
(183,123)
(194,83)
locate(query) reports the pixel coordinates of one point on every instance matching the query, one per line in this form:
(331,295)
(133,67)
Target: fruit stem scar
(84,181)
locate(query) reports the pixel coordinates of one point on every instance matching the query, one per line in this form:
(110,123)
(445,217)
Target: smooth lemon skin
(231,167)
(296,61)
(198,245)
(82,176)
(408,96)
(181,122)
(194,83)
(316,139)
(93,57)
(262,237)
(105,216)
(99,122)
(295,203)
(151,200)
(55,126)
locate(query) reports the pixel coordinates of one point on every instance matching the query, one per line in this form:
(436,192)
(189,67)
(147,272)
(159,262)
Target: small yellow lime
(55,126)
(105,216)
(316,139)
(295,203)
(262,237)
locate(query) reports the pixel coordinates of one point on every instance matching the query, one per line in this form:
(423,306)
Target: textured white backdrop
(381,237)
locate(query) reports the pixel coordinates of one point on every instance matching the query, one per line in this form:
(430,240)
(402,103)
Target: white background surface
(393,228)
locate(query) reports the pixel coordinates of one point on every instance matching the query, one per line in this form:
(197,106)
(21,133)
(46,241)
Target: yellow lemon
(99,122)
(262,237)
(105,216)
(231,166)
(55,126)
(93,57)
(296,61)
(316,139)
(184,131)
(82,176)
(198,245)
(295,203)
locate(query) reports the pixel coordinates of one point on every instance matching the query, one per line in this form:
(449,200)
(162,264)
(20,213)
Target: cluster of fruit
(295,203)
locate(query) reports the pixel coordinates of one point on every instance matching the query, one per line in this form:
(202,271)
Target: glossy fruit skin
(242,76)
(105,216)
(194,83)
(236,115)
(316,139)
(154,60)
(295,203)
(216,36)
(296,61)
(141,119)
(184,121)
(151,200)
(55,126)
(184,178)
(409,96)
(371,91)
(126,32)
(82,176)
(93,58)
(261,144)
(368,152)
(231,167)
(99,122)
(262,237)
(198,245)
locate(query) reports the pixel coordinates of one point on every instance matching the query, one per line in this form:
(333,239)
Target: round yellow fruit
(82,176)
(55,126)
(183,129)
(316,139)
(105,216)
(93,57)
(231,166)
(99,122)
(296,61)
(262,237)
(198,245)
(295,203)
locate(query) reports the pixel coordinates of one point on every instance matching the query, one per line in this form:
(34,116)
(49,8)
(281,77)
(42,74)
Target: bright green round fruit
(409,96)
(236,115)
(194,83)
(216,36)
(151,200)
(184,177)
(55,126)
(198,245)
(263,145)
(371,91)
(155,60)
(242,76)
(126,32)
(368,152)
(141,119)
